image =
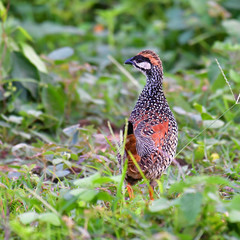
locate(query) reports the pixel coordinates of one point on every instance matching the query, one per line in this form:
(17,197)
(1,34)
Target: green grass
(65,95)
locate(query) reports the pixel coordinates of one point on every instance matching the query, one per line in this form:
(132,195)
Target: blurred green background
(56,70)
(61,64)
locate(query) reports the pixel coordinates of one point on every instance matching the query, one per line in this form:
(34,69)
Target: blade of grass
(124,71)
(54,174)
(204,129)
(39,185)
(110,144)
(46,204)
(139,169)
(124,139)
(124,167)
(236,102)
(120,194)
(113,135)
(225,78)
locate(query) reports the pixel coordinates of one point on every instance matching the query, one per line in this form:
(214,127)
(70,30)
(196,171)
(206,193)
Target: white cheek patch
(144,65)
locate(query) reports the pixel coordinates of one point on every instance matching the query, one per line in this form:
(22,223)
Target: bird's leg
(151,191)
(130,191)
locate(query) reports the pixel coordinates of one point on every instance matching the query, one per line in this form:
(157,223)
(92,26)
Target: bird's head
(147,62)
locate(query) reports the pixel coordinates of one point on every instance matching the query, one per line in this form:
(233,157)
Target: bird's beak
(129,61)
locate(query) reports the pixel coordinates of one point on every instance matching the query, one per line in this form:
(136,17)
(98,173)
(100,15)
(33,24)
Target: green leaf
(25,33)
(84,194)
(57,161)
(3,12)
(28,217)
(185,37)
(49,153)
(181,111)
(103,180)
(50,217)
(231,4)
(45,137)
(116,178)
(190,204)
(62,173)
(175,19)
(218,83)
(22,67)
(26,83)
(160,204)
(206,116)
(232,26)
(31,55)
(235,76)
(53,99)
(74,156)
(235,203)
(87,181)
(21,133)
(61,53)
(70,131)
(4,124)
(50,28)
(199,153)
(24,146)
(213,72)
(199,7)
(84,96)
(192,180)
(234,216)
(34,113)
(199,107)
(226,46)
(14,119)
(104,196)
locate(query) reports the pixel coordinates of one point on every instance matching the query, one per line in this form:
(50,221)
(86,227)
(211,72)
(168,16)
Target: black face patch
(140,58)
(142,63)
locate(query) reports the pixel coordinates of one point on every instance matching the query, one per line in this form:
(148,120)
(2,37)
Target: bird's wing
(145,140)
(150,134)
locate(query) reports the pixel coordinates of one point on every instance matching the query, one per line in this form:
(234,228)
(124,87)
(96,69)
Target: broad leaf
(54,101)
(28,217)
(61,53)
(50,217)
(190,204)
(160,204)
(87,181)
(31,55)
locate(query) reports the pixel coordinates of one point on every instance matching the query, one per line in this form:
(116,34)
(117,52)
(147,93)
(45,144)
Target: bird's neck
(154,83)
(151,97)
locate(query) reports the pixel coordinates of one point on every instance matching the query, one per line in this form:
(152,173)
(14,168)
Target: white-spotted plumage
(152,131)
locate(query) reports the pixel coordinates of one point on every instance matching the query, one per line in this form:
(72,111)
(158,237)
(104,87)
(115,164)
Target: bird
(152,130)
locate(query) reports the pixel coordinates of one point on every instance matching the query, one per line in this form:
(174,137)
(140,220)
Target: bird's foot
(130,191)
(151,192)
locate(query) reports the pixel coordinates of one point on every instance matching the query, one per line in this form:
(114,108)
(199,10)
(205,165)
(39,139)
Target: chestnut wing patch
(160,130)
(150,135)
